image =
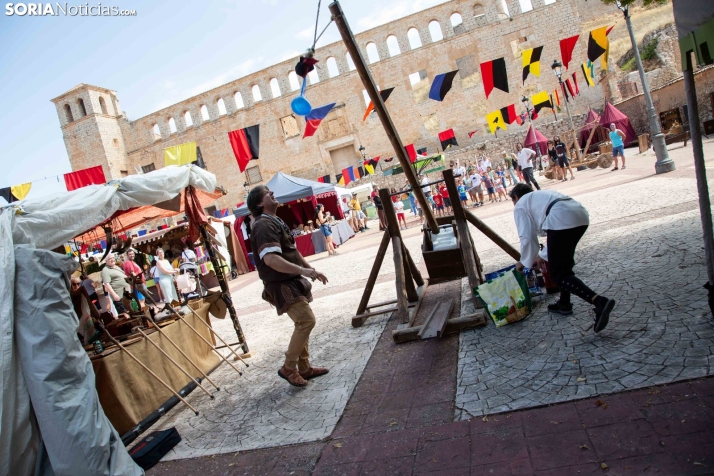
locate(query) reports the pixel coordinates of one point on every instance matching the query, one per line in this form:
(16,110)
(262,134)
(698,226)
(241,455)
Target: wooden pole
(393,228)
(181,319)
(238,357)
(402,303)
(225,292)
(339,17)
(124,349)
(462,228)
(492,235)
(372,279)
(176,364)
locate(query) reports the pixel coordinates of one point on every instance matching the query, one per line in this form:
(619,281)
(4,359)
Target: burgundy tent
(612,115)
(592,121)
(533,136)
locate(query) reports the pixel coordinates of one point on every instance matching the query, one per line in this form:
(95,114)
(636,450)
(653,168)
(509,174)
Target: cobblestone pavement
(385,408)
(644,250)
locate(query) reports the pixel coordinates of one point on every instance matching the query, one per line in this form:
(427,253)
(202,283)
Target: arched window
(479,11)
(294,81)
(102,105)
(275,88)
(157,132)
(68,113)
(332,67)
(187,119)
(313,76)
(435,31)
(204,113)
(414,40)
(350,63)
(502,9)
(393,46)
(82,109)
(526,5)
(172,125)
(456,19)
(238,98)
(256,93)
(221,104)
(372,53)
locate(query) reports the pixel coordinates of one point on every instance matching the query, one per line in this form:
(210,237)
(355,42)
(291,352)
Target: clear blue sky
(169,52)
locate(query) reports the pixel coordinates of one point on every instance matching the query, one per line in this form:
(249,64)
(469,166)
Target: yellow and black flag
(541,100)
(599,45)
(495,121)
(589,73)
(531,62)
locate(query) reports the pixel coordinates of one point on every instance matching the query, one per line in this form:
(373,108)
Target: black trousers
(529,178)
(561,260)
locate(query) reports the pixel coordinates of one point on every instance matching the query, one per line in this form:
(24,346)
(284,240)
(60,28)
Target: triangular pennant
(509,114)
(567,45)
(384,94)
(447,139)
(541,100)
(575,84)
(245,144)
(495,121)
(598,45)
(588,74)
(313,120)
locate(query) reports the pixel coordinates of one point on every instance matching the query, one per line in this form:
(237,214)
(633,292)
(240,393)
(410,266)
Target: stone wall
(485,33)
(669,97)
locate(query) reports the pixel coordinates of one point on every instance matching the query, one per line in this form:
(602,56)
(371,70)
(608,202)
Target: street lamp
(664,163)
(246,186)
(361,151)
(557,68)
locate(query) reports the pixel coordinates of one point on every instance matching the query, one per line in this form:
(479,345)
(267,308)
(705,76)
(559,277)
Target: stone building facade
(459,34)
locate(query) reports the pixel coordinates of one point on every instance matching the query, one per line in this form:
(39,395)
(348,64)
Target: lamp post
(361,151)
(557,68)
(524,100)
(664,164)
(246,186)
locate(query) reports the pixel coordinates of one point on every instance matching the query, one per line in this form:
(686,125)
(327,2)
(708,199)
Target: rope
(314,38)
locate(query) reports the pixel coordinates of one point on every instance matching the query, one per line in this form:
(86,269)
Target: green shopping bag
(506,298)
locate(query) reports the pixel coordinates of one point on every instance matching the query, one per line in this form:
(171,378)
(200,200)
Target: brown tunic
(270,234)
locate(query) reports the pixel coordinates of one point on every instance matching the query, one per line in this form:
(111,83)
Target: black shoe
(562,309)
(603,307)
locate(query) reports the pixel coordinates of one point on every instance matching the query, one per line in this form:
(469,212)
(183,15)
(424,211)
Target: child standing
(489,187)
(399,210)
(439,201)
(500,189)
(462,193)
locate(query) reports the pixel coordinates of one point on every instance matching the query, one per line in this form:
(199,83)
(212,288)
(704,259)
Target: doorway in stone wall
(344,157)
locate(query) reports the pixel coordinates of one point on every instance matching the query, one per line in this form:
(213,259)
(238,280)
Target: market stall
(125,393)
(592,121)
(49,386)
(533,138)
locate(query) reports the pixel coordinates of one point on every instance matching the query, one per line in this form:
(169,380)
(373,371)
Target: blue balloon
(301,106)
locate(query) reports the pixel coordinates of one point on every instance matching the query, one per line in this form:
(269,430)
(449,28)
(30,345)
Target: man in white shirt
(188,255)
(525,162)
(426,188)
(486,163)
(460,170)
(563,221)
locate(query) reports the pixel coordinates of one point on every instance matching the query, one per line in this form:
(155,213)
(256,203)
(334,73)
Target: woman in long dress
(166,277)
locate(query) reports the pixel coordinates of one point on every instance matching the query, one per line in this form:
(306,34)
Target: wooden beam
(356,54)
(400,278)
(435,324)
(374,273)
(457,324)
(468,257)
(492,235)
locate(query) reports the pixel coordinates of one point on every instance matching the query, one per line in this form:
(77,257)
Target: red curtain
(332,205)
(239,234)
(84,177)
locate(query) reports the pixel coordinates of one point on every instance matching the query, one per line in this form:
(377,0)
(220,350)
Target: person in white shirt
(188,255)
(563,221)
(525,162)
(426,188)
(476,190)
(486,163)
(459,170)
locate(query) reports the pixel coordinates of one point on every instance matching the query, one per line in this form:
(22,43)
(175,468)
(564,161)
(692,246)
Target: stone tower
(90,119)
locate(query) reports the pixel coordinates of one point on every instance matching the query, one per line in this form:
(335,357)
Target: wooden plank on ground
(405,334)
(436,322)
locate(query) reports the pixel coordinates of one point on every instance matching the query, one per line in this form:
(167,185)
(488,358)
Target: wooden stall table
(128,393)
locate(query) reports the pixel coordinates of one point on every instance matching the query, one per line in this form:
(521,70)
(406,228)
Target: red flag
(411,152)
(567,46)
(84,177)
(447,139)
(570,87)
(321,179)
(245,143)
(575,84)
(472,133)
(607,32)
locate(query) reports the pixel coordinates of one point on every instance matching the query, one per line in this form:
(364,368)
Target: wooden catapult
(443,265)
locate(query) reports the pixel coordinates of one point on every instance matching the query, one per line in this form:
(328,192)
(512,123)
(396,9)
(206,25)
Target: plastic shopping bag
(506,298)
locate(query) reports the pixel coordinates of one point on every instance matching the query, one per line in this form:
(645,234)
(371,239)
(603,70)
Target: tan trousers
(297,354)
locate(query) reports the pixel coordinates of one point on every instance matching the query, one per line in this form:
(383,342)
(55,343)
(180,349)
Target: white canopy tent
(47,383)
